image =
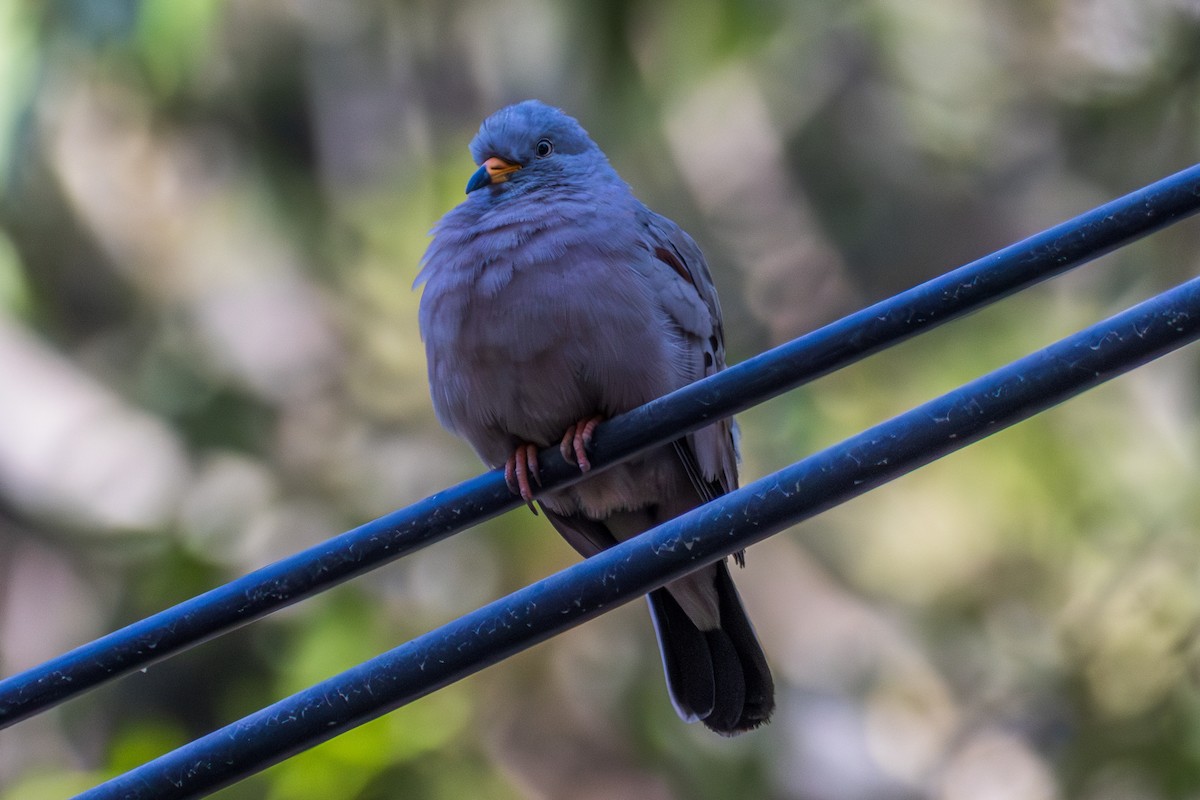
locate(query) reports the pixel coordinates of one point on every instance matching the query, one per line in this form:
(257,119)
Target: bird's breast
(522,348)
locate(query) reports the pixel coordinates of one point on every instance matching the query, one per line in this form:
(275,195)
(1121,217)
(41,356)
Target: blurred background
(211,215)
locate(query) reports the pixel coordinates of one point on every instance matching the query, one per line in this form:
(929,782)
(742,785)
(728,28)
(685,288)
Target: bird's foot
(575,441)
(519,467)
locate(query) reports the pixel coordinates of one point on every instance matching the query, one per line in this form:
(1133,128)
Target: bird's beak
(494,170)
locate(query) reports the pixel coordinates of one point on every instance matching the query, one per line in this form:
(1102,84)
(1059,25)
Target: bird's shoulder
(682,280)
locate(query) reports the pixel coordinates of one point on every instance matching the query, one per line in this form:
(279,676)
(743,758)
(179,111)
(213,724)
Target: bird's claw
(576,440)
(522,464)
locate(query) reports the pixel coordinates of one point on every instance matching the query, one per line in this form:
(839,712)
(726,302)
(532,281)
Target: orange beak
(493,170)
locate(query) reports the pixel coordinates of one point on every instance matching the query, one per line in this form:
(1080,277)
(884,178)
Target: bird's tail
(718,676)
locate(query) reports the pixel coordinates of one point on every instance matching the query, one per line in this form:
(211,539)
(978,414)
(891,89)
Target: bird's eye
(543,148)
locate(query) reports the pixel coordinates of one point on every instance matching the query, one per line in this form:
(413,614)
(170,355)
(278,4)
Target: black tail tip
(745,692)
(744,726)
(755,714)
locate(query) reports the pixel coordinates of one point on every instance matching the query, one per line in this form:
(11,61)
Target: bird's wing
(686,293)
(587,536)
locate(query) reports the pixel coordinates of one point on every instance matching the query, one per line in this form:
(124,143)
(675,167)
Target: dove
(554,299)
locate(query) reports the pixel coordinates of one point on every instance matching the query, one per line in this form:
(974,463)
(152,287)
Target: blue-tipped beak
(494,170)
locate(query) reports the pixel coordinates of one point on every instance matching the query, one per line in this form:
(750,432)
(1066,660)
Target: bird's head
(527,143)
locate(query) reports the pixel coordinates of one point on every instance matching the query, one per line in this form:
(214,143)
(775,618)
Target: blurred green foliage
(211,215)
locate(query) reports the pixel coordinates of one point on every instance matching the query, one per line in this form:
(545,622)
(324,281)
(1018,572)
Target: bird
(553,300)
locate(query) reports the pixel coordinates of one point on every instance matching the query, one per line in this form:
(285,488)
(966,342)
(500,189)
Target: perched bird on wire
(553,300)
